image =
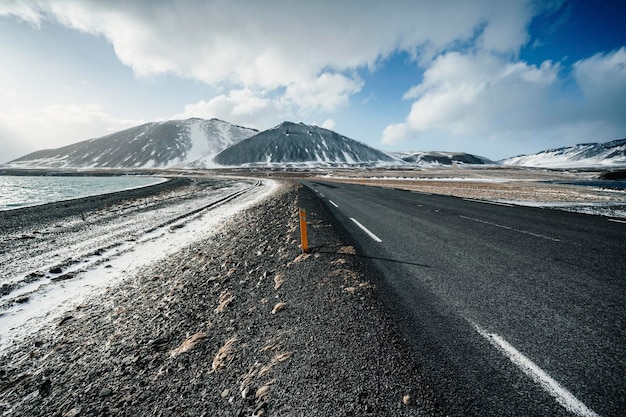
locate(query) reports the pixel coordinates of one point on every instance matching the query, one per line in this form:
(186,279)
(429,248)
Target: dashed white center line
(333,203)
(322,195)
(370,234)
(549,384)
(512,229)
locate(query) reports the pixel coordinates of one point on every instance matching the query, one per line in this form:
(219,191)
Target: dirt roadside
(240,324)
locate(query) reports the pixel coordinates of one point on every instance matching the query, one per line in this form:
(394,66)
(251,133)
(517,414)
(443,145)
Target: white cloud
(261,109)
(326,92)
(28,12)
(329,124)
(56,125)
(469,94)
(484,97)
(505,30)
(306,48)
(602,80)
(244,107)
(286,60)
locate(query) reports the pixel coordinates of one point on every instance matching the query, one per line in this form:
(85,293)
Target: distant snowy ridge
(585,155)
(199,143)
(184,143)
(432,159)
(300,145)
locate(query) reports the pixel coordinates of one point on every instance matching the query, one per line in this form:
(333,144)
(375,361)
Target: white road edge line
(495,203)
(333,203)
(617,221)
(551,386)
(370,234)
(512,229)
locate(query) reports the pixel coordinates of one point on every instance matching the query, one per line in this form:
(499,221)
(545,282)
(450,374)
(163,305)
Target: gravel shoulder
(239,324)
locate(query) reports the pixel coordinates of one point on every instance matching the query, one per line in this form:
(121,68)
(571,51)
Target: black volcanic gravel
(240,324)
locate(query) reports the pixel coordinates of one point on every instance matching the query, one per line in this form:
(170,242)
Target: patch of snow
(493,180)
(591,155)
(348,158)
(49,304)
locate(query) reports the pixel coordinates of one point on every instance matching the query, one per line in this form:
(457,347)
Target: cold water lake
(23,191)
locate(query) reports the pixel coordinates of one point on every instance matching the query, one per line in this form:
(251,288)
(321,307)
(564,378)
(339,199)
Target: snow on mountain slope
(585,155)
(192,142)
(299,145)
(430,159)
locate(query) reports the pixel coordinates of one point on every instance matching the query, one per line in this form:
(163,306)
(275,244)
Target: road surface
(509,310)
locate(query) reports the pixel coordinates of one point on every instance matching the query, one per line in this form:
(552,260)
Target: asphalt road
(510,311)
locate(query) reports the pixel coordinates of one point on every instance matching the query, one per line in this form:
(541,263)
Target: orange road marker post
(303,234)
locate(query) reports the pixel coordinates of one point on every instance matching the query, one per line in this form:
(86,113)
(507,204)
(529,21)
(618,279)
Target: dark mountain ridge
(300,144)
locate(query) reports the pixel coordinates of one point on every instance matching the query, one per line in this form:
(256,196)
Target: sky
(490,77)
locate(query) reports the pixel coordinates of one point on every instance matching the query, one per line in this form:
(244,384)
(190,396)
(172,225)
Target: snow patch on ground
(48,305)
(493,180)
(617,210)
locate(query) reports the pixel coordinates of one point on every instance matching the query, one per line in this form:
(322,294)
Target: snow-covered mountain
(585,155)
(188,143)
(299,145)
(431,159)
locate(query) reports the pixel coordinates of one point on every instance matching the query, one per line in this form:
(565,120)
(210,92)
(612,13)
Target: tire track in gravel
(62,251)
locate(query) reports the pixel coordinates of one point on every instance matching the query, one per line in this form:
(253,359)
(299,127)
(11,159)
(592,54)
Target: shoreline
(83,247)
(37,214)
(240,323)
(90,186)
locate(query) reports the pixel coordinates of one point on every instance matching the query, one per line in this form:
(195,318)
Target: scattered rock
(45,388)
(34,276)
(23,299)
(6,289)
(65,320)
(56,270)
(105,392)
(64,277)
